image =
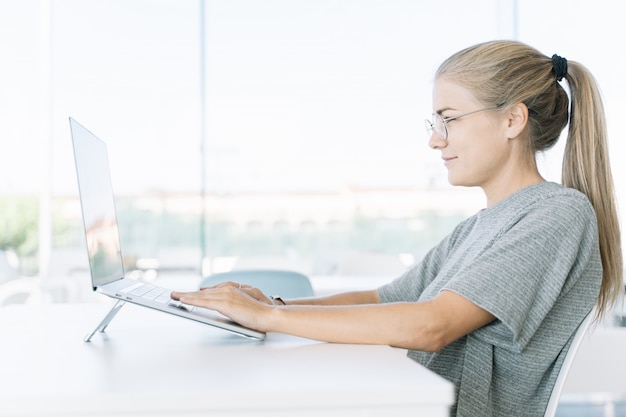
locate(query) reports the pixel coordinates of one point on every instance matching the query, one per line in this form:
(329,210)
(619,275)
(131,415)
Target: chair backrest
(287,284)
(580,334)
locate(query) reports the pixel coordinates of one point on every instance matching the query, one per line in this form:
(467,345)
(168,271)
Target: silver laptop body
(103,243)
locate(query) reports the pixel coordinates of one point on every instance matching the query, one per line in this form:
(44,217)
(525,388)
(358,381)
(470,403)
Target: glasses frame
(432,125)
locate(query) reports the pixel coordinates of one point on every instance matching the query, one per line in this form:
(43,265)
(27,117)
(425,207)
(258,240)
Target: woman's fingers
(248,289)
(241,305)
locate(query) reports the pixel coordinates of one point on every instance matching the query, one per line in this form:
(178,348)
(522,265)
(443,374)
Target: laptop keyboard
(149,292)
(145,291)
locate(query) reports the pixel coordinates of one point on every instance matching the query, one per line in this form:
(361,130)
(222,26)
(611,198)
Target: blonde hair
(502,73)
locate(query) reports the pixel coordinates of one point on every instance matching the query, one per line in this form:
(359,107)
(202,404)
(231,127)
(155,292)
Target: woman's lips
(448,159)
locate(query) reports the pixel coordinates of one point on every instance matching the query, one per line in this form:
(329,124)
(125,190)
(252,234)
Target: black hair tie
(559,67)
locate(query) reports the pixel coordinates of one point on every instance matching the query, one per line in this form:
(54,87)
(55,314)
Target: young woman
(493,306)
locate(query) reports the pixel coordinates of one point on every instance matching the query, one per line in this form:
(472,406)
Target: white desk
(46,369)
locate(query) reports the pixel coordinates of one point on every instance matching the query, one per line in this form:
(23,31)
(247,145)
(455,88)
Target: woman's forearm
(386,324)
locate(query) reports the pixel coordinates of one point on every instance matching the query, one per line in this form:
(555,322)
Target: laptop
(104,249)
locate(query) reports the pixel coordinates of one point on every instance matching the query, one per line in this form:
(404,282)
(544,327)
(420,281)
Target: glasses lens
(440,126)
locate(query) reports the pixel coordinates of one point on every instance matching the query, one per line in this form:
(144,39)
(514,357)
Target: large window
(253,133)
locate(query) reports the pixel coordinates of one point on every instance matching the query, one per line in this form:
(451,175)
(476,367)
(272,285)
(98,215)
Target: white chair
(581,332)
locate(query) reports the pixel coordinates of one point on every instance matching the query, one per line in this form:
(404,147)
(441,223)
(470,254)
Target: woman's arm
(427,326)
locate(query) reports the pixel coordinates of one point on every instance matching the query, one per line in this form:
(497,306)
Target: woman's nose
(435,141)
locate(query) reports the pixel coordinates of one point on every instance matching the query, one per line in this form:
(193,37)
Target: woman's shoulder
(542,205)
(539,207)
(549,197)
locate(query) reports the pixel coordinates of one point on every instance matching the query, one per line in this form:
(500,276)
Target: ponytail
(586,168)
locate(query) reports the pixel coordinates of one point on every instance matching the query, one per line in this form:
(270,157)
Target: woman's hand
(248,289)
(242,303)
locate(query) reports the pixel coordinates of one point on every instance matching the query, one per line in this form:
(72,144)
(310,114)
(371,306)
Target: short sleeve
(519,276)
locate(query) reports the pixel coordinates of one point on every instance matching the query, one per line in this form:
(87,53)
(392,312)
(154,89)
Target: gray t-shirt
(533,261)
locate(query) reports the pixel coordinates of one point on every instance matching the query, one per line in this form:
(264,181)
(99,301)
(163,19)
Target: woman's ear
(517,119)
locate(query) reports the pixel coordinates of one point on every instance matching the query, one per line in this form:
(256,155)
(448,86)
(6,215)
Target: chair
(580,334)
(287,284)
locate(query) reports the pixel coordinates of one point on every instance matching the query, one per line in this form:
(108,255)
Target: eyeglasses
(440,125)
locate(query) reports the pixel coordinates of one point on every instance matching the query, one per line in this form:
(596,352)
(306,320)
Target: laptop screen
(98,206)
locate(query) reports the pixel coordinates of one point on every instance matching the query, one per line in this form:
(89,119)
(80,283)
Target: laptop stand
(106,320)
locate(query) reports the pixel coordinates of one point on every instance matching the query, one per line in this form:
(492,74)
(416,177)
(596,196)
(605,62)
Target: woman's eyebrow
(443,109)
